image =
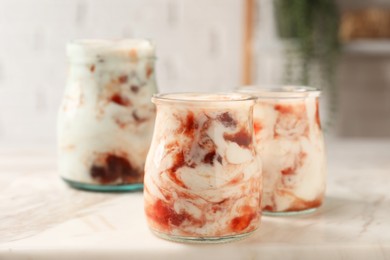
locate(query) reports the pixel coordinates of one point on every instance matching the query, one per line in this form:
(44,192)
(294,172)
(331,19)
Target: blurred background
(340,46)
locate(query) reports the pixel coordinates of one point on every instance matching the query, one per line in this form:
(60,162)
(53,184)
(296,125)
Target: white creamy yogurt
(106,120)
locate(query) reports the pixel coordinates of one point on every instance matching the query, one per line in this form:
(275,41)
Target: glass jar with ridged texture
(106,119)
(202,177)
(289,142)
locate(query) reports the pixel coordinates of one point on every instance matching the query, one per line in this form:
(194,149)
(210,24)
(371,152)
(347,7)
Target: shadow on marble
(337,221)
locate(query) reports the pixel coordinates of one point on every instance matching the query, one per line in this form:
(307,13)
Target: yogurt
(106,119)
(290,144)
(202,177)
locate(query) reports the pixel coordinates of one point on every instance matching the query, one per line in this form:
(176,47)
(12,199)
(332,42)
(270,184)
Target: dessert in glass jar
(106,119)
(290,144)
(202,176)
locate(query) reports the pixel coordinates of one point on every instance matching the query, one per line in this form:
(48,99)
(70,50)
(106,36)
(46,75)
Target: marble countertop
(42,218)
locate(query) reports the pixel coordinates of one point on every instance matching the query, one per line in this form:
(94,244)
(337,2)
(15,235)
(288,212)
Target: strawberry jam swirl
(289,142)
(202,177)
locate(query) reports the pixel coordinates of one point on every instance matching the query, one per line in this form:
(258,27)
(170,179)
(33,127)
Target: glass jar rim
(123,49)
(202,97)
(280,91)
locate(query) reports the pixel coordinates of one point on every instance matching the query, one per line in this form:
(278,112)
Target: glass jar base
(288,213)
(202,240)
(105,188)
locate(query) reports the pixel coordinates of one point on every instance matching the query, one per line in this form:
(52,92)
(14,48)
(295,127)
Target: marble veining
(41,218)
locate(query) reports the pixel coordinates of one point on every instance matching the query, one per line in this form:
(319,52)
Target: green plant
(313,27)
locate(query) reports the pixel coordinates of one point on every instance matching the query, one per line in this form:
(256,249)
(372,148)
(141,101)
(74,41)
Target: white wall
(199,48)
(269,61)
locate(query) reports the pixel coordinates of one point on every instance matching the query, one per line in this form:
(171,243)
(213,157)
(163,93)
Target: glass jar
(106,119)
(290,143)
(202,178)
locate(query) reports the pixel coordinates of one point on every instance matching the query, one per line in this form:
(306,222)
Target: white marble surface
(41,218)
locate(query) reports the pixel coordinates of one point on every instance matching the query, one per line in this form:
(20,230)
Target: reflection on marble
(41,218)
